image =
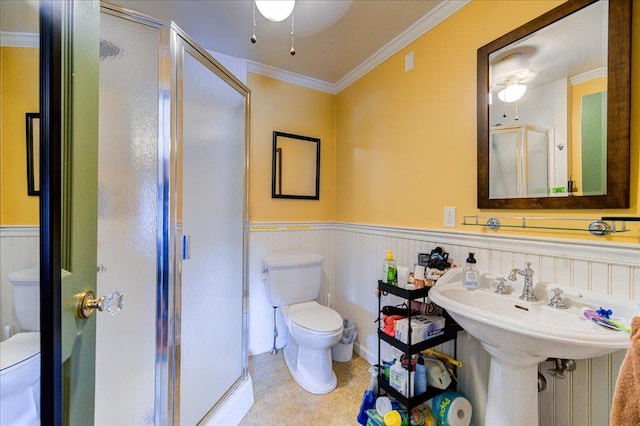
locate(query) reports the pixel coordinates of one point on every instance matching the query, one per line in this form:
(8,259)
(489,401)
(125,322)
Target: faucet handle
(502,288)
(558,301)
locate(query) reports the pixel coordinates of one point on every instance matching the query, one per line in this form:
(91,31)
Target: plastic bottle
(420,383)
(369,397)
(398,377)
(470,275)
(389,269)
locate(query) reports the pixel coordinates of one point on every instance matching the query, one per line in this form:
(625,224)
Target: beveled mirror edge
(618,112)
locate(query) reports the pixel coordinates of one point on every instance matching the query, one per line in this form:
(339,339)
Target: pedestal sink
(518,335)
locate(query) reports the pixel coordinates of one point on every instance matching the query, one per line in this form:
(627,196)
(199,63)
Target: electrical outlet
(450,217)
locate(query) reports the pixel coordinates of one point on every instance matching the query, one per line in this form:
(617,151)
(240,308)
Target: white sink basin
(520,334)
(534,328)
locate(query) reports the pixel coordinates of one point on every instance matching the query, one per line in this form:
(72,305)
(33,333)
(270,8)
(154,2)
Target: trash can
(343,350)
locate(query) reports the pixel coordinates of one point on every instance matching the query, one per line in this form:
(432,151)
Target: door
(69,115)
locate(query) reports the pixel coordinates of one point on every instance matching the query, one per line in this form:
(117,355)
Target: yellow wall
(18,95)
(406,141)
(285,107)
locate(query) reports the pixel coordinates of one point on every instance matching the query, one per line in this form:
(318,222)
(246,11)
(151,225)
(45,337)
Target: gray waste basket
(343,350)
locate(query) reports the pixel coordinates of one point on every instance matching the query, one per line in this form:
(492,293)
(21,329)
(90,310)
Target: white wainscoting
(266,238)
(19,249)
(354,255)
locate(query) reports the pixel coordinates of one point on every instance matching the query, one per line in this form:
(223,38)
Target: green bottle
(390,270)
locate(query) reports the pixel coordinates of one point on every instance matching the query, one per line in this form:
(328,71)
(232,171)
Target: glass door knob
(87,303)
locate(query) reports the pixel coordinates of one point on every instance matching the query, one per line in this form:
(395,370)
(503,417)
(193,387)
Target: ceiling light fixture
(512,93)
(511,72)
(275,11)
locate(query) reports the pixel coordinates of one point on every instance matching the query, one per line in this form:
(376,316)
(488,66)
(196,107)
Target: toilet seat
(20,380)
(314,317)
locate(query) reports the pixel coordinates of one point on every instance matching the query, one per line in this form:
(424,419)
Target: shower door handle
(87,303)
(186,247)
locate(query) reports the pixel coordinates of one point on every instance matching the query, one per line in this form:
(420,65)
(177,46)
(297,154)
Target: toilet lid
(18,348)
(314,316)
(31,275)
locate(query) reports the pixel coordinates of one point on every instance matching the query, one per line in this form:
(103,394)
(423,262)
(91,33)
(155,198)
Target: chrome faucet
(528,292)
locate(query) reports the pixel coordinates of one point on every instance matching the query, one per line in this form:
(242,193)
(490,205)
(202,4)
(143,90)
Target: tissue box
(423,327)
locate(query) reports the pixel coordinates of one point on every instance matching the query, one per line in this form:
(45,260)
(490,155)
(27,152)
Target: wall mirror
(33,153)
(295,167)
(554,110)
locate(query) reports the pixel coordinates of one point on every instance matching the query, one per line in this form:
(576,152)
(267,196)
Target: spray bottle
(369,396)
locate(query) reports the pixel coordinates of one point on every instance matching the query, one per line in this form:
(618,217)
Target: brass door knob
(87,303)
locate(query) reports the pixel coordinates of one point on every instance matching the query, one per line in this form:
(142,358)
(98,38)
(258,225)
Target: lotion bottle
(470,275)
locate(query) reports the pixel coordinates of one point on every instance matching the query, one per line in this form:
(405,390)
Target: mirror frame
(618,112)
(276,172)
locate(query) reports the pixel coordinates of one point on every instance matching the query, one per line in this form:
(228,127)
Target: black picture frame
(33,153)
(309,183)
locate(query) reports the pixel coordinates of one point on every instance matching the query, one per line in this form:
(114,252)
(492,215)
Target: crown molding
(589,75)
(290,77)
(424,24)
(13,39)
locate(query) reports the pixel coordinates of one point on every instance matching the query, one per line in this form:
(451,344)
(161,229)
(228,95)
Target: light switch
(408,62)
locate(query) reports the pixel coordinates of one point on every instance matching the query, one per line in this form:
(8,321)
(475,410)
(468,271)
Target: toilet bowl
(20,379)
(20,354)
(313,329)
(293,281)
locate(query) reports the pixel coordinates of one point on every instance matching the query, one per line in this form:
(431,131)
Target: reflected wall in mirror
(554,110)
(295,167)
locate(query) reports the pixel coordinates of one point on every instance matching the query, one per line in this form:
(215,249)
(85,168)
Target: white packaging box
(399,380)
(423,327)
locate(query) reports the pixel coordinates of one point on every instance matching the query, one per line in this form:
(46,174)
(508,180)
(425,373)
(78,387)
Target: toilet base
(311,368)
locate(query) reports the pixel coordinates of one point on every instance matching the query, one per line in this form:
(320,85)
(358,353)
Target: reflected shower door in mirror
(519,163)
(295,167)
(566,75)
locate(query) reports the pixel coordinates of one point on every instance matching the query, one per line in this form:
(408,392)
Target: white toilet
(293,282)
(20,354)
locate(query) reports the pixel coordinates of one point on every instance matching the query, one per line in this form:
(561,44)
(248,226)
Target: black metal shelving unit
(450,333)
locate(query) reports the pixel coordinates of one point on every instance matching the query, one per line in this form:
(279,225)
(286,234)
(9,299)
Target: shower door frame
(180,42)
(169,234)
(520,131)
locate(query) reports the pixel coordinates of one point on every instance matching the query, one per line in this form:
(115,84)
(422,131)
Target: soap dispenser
(470,275)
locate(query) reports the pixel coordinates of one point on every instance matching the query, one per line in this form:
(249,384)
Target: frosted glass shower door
(519,162)
(212,199)
(537,157)
(504,170)
(127,219)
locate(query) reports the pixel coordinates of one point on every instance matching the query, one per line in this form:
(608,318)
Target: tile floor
(280,401)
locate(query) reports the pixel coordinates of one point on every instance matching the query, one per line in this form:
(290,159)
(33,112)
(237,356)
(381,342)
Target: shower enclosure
(519,164)
(172,220)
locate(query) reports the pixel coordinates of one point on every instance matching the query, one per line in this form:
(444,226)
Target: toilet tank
(292,277)
(26,298)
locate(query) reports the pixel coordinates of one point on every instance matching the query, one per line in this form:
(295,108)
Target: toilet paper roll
(452,409)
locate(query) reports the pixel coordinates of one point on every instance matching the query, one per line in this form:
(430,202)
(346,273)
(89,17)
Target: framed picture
(33,153)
